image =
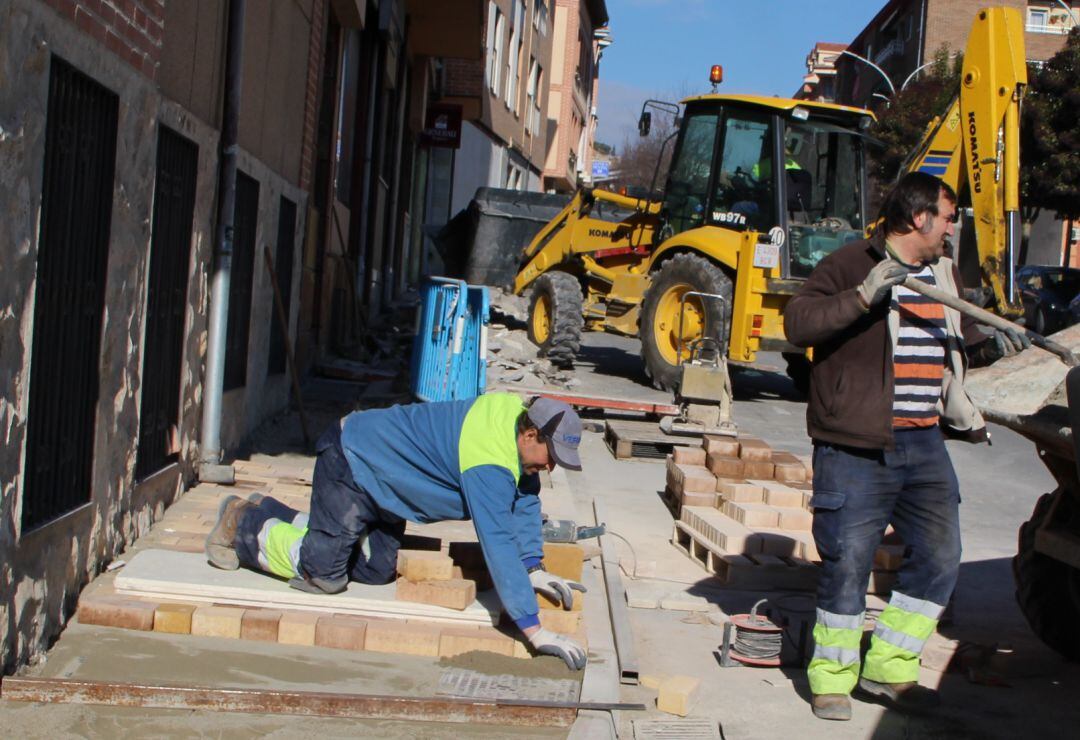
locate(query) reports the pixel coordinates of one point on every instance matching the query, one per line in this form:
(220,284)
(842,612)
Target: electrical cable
(633,570)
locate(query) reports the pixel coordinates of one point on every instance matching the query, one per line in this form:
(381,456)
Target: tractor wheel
(1047,589)
(704,317)
(798,369)
(555,318)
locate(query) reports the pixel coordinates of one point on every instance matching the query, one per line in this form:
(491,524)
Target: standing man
(886,387)
(477,459)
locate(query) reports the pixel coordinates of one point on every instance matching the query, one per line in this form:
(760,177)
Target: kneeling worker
(424,462)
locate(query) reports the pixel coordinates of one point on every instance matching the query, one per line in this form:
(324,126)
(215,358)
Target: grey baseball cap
(561,426)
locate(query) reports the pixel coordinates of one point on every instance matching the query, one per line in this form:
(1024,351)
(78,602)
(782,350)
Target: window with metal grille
(283,266)
(69,297)
(245,223)
(166,301)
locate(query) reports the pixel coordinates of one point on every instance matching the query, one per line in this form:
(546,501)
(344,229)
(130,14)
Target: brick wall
(131,29)
(464,78)
(949,21)
(311,94)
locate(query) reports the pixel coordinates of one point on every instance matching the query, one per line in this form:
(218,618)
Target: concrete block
(752,515)
(260,625)
(796,519)
(217,621)
(754,450)
(723,466)
(297,628)
(114,611)
(566,623)
(395,636)
(424,565)
(455,641)
(678,695)
(342,632)
(689,455)
(742,492)
(699,499)
(564,559)
(174,618)
(755,469)
(451,593)
(721,445)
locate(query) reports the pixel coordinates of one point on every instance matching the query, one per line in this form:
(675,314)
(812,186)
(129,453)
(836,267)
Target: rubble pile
(512,359)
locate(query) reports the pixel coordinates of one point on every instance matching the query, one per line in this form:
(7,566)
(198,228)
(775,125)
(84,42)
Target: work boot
(831,706)
(220,551)
(907,696)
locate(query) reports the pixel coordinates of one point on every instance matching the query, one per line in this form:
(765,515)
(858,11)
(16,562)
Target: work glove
(879,282)
(546,642)
(555,587)
(1006,343)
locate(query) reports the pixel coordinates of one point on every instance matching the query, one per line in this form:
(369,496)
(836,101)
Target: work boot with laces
(220,551)
(908,696)
(831,706)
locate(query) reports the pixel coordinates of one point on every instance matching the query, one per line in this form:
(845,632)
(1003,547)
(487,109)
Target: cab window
(687,192)
(744,191)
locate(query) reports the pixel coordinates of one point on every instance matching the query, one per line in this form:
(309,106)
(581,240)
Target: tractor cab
(795,170)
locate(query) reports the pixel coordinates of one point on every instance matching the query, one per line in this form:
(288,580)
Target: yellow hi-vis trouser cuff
(279,547)
(899,637)
(834,667)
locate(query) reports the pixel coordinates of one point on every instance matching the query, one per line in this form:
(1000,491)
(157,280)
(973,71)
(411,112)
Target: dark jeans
(341,514)
(858,492)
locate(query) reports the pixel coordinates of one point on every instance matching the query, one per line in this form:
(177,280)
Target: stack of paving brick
(744,514)
(427,576)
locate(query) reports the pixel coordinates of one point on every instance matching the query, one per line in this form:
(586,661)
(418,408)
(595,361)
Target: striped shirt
(919,358)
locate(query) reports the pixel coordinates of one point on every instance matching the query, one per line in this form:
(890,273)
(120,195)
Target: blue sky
(664,49)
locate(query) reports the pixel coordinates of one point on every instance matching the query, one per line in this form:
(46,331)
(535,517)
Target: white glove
(880,280)
(555,587)
(547,642)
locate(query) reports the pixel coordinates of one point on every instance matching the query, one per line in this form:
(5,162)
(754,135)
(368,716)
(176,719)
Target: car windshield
(823,164)
(1063,283)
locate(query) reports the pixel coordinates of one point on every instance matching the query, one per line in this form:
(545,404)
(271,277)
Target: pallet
(749,572)
(643,440)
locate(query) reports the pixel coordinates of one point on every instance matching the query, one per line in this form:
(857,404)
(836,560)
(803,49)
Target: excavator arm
(976,144)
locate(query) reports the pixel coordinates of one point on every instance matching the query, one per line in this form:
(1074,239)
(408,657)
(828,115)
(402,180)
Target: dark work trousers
(858,492)
(344,522)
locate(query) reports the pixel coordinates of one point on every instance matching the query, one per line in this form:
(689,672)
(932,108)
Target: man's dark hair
(915,193)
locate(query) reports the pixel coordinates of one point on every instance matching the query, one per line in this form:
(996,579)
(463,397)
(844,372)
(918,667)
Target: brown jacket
(851,384)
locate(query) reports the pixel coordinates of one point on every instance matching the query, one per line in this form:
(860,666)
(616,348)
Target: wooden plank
(304,703)
(167,574)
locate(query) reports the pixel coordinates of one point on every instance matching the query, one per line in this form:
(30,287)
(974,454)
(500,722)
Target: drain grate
(475,685)
(676,729)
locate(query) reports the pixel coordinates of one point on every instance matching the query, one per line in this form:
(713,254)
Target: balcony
(891,49)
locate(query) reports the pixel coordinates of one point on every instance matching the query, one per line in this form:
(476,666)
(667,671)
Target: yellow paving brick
(217,621)
(174,618)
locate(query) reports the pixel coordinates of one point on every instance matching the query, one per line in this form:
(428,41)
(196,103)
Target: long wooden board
(185,576)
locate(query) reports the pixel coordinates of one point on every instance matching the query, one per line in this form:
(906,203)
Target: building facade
(580,36)
(819,84)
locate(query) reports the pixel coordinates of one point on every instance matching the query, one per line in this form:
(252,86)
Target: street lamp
(920,69)
(864,60)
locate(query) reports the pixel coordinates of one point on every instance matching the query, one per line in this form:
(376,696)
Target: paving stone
(424,565)
(708,498)
(297,628)
(395,636)
(777,542)
(721,530)
(757,469)
(752,515)
(455,641)
(689,455)
(754,450)
(678,695)
(777,494)
(560,621)
(794,472)
(652,680)
(217,621)
(564,559)
(452,593)
(690,478)
(723,466)
(796,519)
(742,492)
(174,618)
(114,611)
(260,624)
(680,601)
(468,555)
(343,632)
(721,445)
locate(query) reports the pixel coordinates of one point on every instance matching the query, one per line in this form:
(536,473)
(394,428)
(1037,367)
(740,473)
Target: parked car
(1047,293)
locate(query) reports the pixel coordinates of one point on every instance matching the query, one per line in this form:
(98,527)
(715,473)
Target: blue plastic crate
(450,346)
